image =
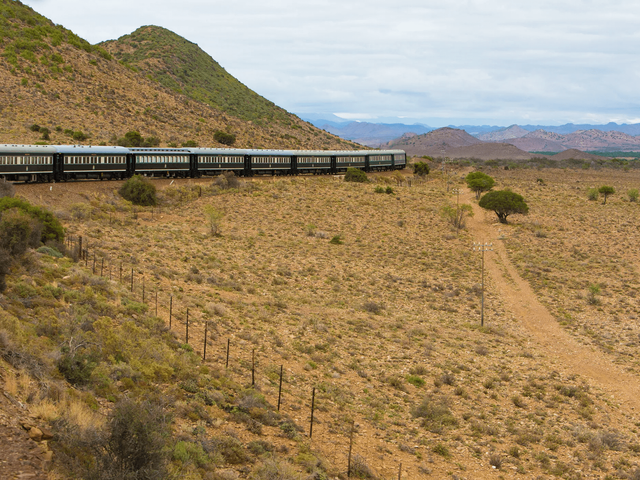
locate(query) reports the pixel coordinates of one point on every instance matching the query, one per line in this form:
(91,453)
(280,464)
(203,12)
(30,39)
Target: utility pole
(482,247)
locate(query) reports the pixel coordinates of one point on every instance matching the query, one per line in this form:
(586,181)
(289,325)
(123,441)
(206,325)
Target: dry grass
(383,326)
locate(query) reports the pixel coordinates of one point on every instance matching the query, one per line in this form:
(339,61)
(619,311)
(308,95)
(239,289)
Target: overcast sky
(495,62)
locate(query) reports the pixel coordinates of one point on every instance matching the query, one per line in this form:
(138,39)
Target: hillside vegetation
(185,68)
(75,92)
(383,323)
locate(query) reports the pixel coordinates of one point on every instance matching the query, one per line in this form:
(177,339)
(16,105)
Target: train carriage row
(45,163)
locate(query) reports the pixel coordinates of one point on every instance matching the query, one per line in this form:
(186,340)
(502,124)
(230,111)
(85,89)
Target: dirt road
(541,325)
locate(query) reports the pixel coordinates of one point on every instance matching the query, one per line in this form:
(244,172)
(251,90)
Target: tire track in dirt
(520,298)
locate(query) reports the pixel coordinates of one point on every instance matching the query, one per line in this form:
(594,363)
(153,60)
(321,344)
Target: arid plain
(384,321)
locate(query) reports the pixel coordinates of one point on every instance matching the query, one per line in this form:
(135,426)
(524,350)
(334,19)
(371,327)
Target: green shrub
(190,144)
(355,175)
(76,367)
(188,452)
(421,169)
(15,231)
(336,240)
(135,444)
(632,193)
(379,189)
(80,136)
(51,227)
(35,127)
(592,194)
(389,191)
(227,448)
(415,380)
(52,252)
(224,137)
(442,450)
(435,414)
(5,265)
(139,191)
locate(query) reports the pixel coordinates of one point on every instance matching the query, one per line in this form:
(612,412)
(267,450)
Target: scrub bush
(51,227)
(7,189)
(139,191)
(355,175)
(224,137)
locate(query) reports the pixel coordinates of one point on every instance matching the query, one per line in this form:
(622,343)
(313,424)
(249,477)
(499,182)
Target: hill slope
(435,142)
(182,66)
(51,77)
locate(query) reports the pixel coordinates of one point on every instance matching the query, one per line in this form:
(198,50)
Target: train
(56,163)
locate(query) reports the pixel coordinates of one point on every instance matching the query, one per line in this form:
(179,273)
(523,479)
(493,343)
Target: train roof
(31,149)
(219,151)
(90,150)
(157,151)
(115,150)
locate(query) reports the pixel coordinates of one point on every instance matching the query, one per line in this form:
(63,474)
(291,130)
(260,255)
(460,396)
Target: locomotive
(47,163)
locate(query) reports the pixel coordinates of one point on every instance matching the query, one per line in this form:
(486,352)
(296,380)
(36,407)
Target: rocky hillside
(545,141)
(437,142)
(514,131)
(79,92)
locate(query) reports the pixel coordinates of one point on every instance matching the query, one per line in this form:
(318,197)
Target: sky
(454,62)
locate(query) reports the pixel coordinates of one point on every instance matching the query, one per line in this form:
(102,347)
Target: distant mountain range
(456,143)
(531,138)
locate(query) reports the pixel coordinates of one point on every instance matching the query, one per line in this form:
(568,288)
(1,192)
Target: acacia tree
(605,191)
(479,182)
(504,203)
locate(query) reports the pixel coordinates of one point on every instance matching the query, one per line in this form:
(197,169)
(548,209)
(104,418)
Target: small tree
(457,216)
(592,194)
(479,182)
(214,218)
(605,191)
(139,191)
(504,203)
(421,169)
(355,175)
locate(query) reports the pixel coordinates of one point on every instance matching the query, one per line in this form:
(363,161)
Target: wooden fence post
(280,387)
(204,354)
(353,425)
(313,406)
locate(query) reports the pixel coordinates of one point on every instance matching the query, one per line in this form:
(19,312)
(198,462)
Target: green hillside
(27,38)
(185,68)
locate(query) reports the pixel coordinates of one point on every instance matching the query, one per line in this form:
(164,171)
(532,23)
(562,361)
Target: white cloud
(508,62)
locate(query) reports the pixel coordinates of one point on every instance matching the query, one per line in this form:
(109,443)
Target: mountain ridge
(57,88)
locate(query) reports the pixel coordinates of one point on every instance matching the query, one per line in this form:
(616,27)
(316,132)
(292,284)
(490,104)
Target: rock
(35,434)
(46,434)
(26,425)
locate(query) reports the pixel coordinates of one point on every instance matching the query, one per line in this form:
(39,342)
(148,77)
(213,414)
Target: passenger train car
(46,163)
